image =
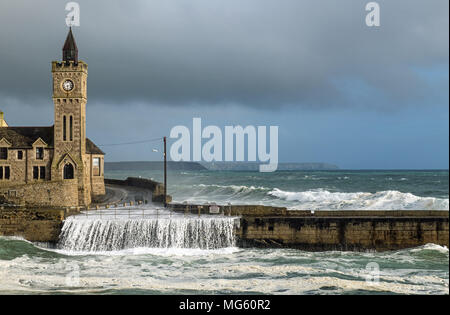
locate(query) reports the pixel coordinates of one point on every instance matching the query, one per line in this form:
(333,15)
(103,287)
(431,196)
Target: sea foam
(94,234)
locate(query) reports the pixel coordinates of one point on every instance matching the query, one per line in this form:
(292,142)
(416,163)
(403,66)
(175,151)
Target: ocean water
(315,190)
(26,268)
(149,250)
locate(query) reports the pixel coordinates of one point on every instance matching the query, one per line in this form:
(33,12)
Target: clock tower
(69,98)
(54,165)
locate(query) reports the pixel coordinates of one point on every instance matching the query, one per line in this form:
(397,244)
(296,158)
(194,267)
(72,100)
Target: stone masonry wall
(48,193)
(344,233)
(32,224)
(22,170)
(96,175)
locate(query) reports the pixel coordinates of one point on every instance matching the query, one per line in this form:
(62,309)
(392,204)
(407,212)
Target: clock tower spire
(70,49)
(70,98)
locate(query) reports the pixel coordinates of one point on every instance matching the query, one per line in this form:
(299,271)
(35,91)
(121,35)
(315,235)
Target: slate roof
(70,44)
(70,49)
(24,137)
(92,148)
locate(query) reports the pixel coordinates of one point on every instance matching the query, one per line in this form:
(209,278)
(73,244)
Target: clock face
(67,85)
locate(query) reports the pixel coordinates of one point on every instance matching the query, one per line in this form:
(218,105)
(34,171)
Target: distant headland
(253,166)
(212,166)
(153,165)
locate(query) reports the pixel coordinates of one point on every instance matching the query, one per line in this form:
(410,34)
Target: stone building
(55,165)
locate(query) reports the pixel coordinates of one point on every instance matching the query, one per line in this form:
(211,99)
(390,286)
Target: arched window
(68,171)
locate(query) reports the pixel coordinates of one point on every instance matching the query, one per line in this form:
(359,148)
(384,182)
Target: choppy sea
(330,190)
(162,253)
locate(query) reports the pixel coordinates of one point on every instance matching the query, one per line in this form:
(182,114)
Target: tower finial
(70,50)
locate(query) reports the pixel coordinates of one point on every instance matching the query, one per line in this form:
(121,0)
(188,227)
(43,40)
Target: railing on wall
(127,210)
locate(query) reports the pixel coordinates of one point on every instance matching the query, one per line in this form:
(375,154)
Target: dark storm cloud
(250,52)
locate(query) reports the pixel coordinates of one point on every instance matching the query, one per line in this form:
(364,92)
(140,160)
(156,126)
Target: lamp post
(165,170)
(165,174)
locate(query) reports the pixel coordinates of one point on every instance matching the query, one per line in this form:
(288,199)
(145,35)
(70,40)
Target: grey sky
(250,52)
(341,92)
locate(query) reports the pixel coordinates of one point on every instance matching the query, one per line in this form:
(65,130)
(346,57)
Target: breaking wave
(321,199)
(318,199)
(220,193)
(234,188)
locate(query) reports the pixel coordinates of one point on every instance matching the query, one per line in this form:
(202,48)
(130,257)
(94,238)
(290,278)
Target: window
(42,172)
(19,155)
(39,153)
(71,128)
(68,171)
(64,128)
(3,153)
(96,166)
(38,172)
(5,172)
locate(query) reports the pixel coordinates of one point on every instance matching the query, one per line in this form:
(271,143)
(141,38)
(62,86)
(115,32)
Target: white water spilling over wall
(95,234)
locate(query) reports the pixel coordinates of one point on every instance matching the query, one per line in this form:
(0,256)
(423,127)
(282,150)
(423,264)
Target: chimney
(2,120)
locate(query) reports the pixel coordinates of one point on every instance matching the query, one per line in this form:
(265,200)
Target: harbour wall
(56,193)
(156,188)
(265,226)
(364,232)
(35,225)
(43,224)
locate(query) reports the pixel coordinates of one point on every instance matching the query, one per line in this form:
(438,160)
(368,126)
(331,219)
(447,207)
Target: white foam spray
(95,233)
